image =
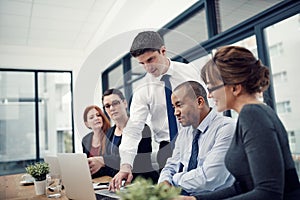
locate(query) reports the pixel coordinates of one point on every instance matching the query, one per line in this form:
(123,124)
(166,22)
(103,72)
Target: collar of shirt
(170,71)
(203,126)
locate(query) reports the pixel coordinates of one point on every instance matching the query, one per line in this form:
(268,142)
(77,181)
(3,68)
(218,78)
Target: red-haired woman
(93,143)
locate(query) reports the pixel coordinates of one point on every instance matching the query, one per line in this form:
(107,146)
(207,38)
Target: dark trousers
(164,152)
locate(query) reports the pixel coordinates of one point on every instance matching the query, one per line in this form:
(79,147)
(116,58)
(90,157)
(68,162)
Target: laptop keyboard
(106,195)
(103,197)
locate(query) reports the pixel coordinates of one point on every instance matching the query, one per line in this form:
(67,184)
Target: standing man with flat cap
(152,99)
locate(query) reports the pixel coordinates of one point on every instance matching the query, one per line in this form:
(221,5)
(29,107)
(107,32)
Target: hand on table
(95,163)
(124,173)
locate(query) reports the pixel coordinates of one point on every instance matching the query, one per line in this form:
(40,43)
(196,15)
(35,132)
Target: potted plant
(142,189)
(39,172)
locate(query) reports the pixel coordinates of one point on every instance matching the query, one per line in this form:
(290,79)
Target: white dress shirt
(149,99)
(211,174)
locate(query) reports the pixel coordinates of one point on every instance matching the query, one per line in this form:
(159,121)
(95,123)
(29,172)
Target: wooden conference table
(10,188)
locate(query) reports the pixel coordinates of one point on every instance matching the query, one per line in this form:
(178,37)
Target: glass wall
(55,128)
(17,120)
(233,12)
(187,34)
(137,69)
(116,77)
(35,117)
(284,58)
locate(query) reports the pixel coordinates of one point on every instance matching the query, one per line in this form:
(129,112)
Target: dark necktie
(195,150)
(171,117)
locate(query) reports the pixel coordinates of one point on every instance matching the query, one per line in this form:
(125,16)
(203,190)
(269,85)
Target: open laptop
(53,164)
(77,179)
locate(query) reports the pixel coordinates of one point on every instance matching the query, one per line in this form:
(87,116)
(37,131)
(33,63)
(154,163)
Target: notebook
(77,179)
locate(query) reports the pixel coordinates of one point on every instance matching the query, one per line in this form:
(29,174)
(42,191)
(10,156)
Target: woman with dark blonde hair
(259,156)
(93,143)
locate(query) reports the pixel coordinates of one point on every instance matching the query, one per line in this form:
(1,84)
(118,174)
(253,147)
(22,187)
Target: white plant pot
(40,187)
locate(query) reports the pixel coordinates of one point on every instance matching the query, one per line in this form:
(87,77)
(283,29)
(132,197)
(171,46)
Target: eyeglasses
(113,103)
(210,90)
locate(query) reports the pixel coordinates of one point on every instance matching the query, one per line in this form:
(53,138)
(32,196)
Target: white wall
(22,57)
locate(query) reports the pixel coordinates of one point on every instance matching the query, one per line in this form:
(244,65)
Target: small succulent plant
(38,170)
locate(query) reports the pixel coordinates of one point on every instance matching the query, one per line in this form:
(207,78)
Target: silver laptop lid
(76,176)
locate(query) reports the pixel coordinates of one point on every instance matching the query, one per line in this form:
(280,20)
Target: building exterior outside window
(35,117)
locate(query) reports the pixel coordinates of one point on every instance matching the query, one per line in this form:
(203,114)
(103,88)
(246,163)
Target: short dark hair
(113,91)
(195,89)
(146,41)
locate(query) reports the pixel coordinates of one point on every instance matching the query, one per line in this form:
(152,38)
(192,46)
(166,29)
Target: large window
(233,12)
(35,117)
(137,70)
(116,77)
(17,120)
(284,58)
(187,34)
(55,128)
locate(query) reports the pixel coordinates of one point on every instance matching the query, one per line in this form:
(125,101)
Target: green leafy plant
(142,189)
(38,170)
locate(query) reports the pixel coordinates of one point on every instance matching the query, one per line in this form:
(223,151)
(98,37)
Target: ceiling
(66,24)
(71,24)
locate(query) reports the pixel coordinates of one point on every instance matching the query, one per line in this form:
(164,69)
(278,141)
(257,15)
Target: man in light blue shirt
(193,112)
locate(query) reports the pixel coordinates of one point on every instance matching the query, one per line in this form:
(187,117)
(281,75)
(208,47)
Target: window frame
(36,101)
